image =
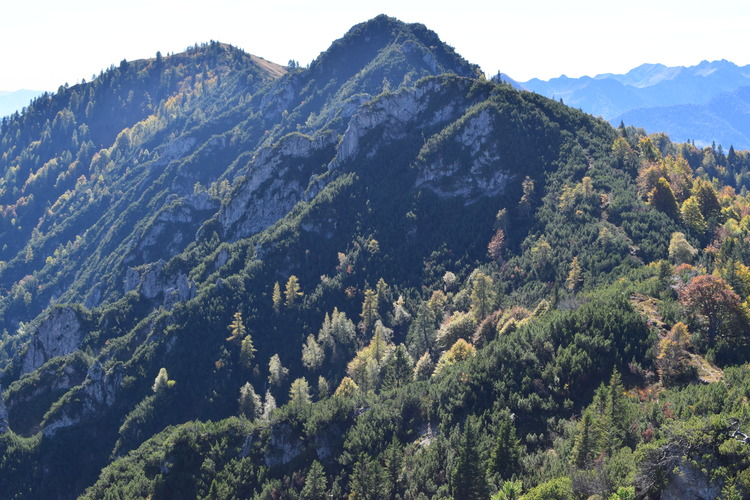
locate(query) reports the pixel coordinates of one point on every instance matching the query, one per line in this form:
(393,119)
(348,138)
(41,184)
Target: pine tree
(277,298)
(663,199)
(250,404)
(482,296)
(313,354)
(369,310)
(467,479)
(398,369)
(247,352)
(424,368)
(237,329)
(574,276)
(585,443)
(292,291)
(315,483)
(421,336)
(276,371)
(506,451)
(367,480)
(615,414)
(299,394)
(393,463)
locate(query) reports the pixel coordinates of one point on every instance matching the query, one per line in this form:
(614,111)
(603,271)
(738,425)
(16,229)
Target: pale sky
(46,43)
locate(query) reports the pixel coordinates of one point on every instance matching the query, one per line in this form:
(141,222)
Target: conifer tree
(585,443)
(506,451)
(315,483)
(347,388)
(382,291)
(269,405)
(250,404)
(398,369)
(424,368)
(276,371)
(615,418)
(393,461)
(467,479)
(367,480)
(662,198)
(369,310)
(323,387)
(299,394)
(313,354)
(482,296)
(421,336)
(574,276)
(496,245)
(247,352)
(277,302)
(237,329)
(708,201)
(292,291)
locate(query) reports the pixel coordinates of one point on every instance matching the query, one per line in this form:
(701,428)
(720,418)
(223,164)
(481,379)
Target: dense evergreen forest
(379,276)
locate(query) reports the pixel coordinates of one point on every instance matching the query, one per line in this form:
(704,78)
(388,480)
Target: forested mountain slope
(381,276)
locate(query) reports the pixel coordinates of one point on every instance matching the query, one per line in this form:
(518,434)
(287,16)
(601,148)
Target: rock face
(690,484)
(395,115)
(484,175)
(283,447)
(152,282)
(98,391)
(171,229)
(395,112)
(275,182)
(60,333)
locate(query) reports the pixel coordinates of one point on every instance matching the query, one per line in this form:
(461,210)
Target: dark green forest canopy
(380,276)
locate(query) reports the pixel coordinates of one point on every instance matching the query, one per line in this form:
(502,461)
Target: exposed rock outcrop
(60,333)
(394,111)
(98,391)
(152,282)
(283,447)
(688,483)
(276,181)
(483,175)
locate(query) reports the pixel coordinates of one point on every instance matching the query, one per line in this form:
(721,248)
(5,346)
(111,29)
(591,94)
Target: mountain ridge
(651,94)
(374,277)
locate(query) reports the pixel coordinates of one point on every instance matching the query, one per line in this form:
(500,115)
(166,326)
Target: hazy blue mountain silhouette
(700,102)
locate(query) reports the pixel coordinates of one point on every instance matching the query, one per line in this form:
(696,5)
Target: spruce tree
(585,443)
(468,480)
(315,483)
(506,450)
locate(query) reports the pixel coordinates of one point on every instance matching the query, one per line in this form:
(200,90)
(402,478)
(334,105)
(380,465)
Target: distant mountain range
(10,102)
(705,103)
